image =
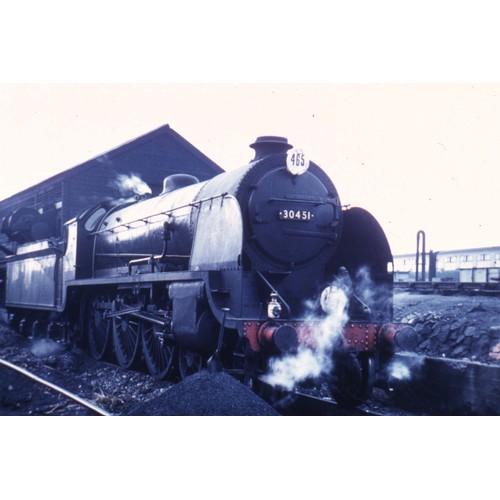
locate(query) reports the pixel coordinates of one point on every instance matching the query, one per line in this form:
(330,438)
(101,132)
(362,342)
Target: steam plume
(313,361)
(131,185)
(405,367)
(46,347)
(399,371)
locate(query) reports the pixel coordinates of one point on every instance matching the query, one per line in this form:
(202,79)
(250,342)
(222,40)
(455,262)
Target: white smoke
(405,367)
(46,347)
(365,287)
(131,185)
(314,360)
(399,371)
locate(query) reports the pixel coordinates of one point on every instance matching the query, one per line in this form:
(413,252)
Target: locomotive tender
(223,270)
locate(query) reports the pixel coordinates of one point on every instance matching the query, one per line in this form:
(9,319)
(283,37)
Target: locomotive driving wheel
(126,340)
(353,378)
(159,352)
(98,328)
(190,362)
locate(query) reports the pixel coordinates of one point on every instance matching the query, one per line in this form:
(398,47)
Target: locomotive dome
(177,181)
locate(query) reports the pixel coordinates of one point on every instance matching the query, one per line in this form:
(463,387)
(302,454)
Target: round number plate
(296,162)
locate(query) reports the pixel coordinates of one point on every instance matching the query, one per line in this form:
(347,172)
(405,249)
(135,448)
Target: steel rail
(54,387)
(292,403)
(300,404)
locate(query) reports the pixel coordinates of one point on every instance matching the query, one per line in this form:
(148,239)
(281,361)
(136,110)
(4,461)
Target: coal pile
(459,327)
(205,394)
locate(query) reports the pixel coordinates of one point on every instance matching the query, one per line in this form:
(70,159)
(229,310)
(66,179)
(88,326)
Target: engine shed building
(469,265)
(150,158)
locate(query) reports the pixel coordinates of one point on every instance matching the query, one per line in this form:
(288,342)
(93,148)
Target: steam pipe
(420,234)
(152,259)
(432,264)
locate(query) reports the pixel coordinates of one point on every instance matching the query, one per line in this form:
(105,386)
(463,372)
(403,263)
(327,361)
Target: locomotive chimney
(267,145)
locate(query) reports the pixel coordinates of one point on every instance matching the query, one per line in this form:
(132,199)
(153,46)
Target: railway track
(91,407)
(419,385)
(302,404)
(299,404)
(424,386)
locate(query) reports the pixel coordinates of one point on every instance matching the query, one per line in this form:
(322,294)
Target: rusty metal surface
(356,336)
(361,336)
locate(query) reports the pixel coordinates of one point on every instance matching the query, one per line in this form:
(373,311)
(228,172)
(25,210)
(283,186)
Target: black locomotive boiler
(234,270)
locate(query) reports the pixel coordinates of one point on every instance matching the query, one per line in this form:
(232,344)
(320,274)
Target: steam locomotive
(236,271)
